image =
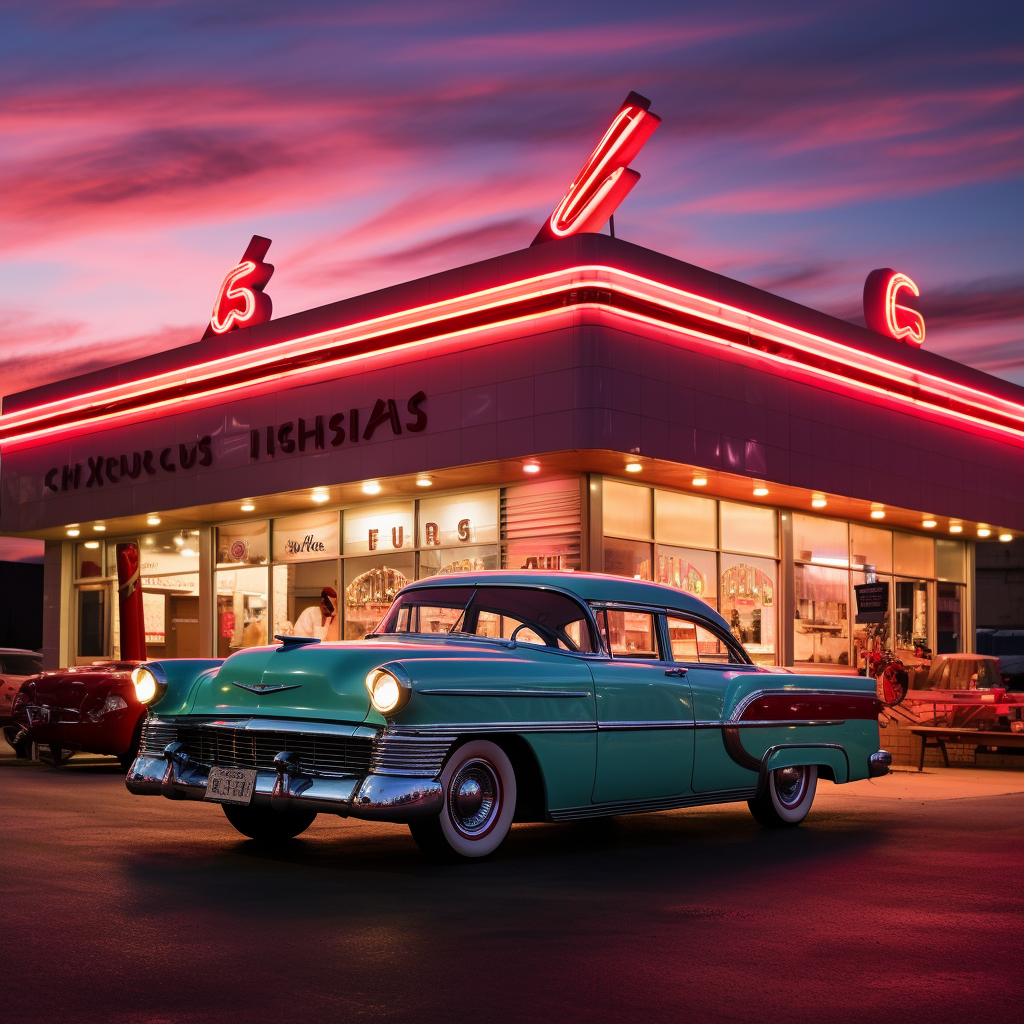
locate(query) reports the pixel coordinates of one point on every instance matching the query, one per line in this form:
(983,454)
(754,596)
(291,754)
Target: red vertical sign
(129,603)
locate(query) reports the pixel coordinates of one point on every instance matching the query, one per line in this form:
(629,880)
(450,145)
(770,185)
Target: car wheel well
(530,798)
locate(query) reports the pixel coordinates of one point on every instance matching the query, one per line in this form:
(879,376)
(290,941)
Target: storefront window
(444,561)
(241,609)
(913,555)
(89,559)
(170,605)
(910,619)
(627,558)
(949,618)
(821,541)
(169,554)
(747,599)
(306,599)
(949,560)
(684,520)
(379,528)
(748,529)
(692,571)
(870,549)
(370,587)
(822,622)
(627,510)
(243,544)
(93,621)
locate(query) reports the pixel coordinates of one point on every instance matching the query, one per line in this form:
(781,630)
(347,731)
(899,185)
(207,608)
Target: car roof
(965,657)
(19,650)
(588,586)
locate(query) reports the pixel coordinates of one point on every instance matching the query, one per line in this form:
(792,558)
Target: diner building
(581,405)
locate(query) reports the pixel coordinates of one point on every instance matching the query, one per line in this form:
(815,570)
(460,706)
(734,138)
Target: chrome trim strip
(794,691)
(719,796)
(787,723)
(351,730)
(485,727)
(506,693)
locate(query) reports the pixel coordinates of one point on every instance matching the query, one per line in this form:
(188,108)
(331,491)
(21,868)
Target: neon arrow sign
(240,301)
(606,178)
(883,314)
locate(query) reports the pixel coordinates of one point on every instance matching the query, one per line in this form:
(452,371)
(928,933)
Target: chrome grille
(240,748)
(155,737)
(418,756)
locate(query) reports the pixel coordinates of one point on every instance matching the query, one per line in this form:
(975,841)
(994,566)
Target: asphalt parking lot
(896,900)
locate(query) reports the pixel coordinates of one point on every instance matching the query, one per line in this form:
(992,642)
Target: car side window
(629,634)
(693,642)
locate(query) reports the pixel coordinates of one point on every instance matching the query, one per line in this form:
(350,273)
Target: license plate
(231,785)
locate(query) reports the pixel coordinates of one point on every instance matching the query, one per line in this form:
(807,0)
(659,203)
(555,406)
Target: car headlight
(147,686)
(389,688)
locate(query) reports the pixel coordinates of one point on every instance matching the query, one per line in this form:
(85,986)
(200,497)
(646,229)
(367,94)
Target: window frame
(735,648)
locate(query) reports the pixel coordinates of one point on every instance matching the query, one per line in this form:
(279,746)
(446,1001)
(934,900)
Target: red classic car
(91,708)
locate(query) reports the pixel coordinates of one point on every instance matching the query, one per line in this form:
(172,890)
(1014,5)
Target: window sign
(242,544)
(307,538)
(379,528)
(460,519)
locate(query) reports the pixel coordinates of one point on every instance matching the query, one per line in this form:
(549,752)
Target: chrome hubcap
(791,785)
(474,798)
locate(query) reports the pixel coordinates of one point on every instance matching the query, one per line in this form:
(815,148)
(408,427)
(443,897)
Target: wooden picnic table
(951,734)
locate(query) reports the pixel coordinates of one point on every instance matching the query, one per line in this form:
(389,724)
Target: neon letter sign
(884,314)
(605,179)
(240,301)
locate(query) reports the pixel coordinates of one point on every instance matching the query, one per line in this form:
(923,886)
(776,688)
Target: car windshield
(536,616)
(21,664)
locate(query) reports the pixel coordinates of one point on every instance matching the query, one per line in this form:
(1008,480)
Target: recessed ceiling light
(699,481)
(92,544)
(248,506)
(424,481)
(633,467)
(1005,537)
(73,533)
(319,497)
(370,487)
(984,531)
(99,528)
(818,501)
(531,467)
(760,491)
(956,528)
(877,513)
(153,521)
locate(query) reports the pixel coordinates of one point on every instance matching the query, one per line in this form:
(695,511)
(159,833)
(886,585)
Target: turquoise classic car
(493,697)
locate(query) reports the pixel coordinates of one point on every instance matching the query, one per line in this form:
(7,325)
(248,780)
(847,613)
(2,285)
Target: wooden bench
(944,734)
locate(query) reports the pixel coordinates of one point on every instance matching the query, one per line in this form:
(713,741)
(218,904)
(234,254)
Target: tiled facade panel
(582,381)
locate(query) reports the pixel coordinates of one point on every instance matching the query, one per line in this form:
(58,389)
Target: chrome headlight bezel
(149,682)
(389,687)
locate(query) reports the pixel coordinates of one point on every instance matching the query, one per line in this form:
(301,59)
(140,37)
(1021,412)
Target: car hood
(325,681)
(82,687)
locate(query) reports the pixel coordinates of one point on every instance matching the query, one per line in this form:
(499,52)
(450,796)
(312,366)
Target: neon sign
(240,301)
(884,314)
(606,178)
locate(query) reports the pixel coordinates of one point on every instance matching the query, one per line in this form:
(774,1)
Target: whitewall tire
(787,796)
(479,786)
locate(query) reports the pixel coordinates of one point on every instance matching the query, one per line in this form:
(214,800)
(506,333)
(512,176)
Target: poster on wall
(153,610)
(307,537)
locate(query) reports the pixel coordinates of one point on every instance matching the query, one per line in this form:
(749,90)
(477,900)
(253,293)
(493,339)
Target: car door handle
(679,672)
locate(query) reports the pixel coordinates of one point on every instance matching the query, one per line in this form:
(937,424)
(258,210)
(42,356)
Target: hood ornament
(267,687)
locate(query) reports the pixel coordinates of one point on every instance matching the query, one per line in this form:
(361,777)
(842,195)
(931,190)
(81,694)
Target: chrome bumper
(878,764)
(374,797)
